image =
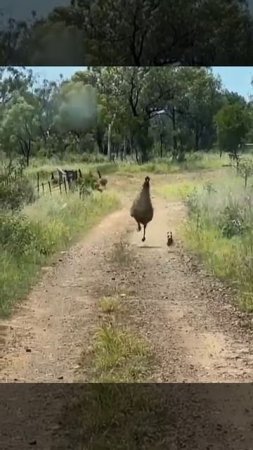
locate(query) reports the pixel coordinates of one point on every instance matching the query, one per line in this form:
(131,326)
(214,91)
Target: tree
(245,169)
(199,100)
(137,32)
(19,128)
(233,123)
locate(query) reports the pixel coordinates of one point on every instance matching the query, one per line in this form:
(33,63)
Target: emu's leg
(139,226)
(144,233)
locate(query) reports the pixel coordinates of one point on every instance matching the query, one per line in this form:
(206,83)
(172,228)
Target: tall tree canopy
(142,112)
(134,32)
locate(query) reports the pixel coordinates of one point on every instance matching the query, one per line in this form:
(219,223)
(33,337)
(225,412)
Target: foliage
(134,33)
(219,228)
(19,126)
(233,123)
(232,220)
(14,194)
(29,238)
(245,169)
(150,111)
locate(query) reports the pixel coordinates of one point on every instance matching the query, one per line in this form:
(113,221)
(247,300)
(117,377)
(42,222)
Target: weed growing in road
(120,355)
(109,304)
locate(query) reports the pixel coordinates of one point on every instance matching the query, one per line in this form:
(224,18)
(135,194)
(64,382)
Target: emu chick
(169,238)
(142,210)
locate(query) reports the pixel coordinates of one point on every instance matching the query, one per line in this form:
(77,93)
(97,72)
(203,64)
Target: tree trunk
(124,149)
(174,127)
(109,142)
(197,137)
(109,138)
(28,152)
(161,145)
(136,155)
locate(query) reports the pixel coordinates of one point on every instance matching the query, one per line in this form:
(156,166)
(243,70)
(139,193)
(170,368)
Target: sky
(236,79)
(21,9)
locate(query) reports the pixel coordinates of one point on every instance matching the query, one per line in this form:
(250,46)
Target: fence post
(38,182)
(65,184)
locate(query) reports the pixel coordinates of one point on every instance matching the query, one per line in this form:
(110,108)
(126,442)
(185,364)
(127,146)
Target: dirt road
(186,315)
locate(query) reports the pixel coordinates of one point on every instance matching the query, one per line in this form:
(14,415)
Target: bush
(232,220)
(14,194)
(15,234)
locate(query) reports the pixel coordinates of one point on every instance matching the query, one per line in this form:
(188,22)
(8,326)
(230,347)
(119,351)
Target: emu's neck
(146,191)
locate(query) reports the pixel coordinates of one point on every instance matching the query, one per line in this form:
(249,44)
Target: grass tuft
(120,355)
(109,305)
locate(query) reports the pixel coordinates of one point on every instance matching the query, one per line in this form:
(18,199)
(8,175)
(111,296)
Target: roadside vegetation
(33,230)
(219,226)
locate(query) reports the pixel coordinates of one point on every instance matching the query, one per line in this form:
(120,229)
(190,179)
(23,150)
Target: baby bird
(169,238)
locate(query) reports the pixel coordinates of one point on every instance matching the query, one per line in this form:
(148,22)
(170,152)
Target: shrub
(17,234)
(232,220)
(14,194)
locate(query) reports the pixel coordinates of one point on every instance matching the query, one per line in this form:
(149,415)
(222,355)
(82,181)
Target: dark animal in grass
(169,239)
(142,210)
(102,181)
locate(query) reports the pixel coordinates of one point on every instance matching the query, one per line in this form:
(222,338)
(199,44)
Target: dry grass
(109,305)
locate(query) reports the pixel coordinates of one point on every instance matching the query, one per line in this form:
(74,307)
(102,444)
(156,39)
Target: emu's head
(146,182)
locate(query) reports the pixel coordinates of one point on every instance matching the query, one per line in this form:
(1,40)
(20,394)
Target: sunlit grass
(219,229)
(54,222)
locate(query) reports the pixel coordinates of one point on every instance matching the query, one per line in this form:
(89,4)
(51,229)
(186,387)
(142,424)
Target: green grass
(118,352)
(178,190)
(45,170)
(219,229)
(194,161)
(49,225)
(120,355)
